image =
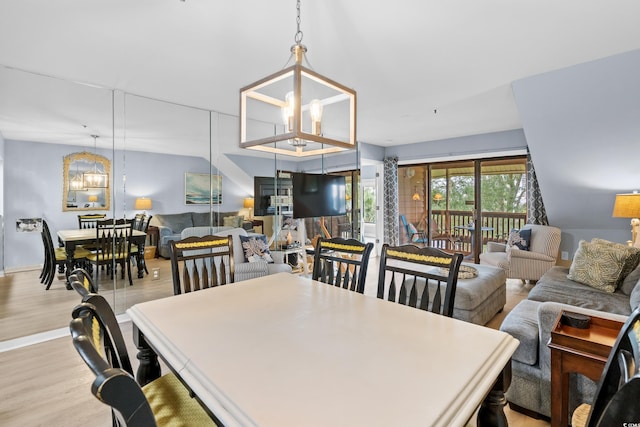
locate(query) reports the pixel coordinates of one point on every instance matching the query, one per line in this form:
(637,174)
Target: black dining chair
(201,262)
(140,223)
(81,280)
(56,257)
(342,262)
(98,339)
(424,278)
(618,392)
(113,248)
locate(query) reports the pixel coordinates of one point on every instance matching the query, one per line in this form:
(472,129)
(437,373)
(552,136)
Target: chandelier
(296,111)
(95,179)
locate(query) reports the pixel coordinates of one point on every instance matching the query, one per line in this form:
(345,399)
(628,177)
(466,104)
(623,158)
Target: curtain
(536,213)
(390,208)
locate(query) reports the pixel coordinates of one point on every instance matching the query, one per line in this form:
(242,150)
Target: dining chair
(414,235)
(56,257)
(406,270)
(98,339)
(113,248)
(618,391)
(82,282)
(140,223)
(89,220)
(341,262)
(201,262)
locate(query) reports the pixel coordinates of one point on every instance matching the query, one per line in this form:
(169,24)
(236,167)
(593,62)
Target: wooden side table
(154,238)
(583,351)
(258,223)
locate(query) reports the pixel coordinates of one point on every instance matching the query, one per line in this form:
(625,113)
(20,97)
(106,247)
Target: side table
(258,223)
(153,235)
(583,351)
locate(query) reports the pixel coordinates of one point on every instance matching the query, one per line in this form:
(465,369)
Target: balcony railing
(448,227)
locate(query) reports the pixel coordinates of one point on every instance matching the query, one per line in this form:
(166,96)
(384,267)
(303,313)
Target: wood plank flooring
(47,384)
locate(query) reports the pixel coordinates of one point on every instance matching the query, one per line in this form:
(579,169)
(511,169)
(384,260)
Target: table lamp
(628,206)
(248,204)
(143,204)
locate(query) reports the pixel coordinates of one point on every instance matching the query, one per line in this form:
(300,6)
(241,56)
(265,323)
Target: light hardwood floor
(45,383)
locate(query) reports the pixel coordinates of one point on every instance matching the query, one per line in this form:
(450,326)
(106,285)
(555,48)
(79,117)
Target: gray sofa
(171,225)
(531,322)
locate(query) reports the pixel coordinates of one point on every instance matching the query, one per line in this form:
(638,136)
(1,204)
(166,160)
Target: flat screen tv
(317,195)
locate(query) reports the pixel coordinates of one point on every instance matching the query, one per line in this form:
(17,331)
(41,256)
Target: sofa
(243,270)
(171,225)
(532,320)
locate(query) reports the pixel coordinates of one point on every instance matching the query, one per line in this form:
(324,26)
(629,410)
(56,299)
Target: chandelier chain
(298,36)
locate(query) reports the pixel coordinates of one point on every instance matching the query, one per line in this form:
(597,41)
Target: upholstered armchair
(528,264)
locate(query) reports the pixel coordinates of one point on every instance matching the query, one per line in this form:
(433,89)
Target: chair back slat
(203,261)
(342,263)
(89,220)
(424,284)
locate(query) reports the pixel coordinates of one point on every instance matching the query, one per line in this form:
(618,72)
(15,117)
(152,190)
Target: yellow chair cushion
(580,415)
(172,405)
(79,253)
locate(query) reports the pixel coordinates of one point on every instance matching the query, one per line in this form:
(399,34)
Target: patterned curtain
(535,206)
(390,208)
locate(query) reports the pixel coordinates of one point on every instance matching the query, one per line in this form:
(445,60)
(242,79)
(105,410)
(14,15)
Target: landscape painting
(202,189)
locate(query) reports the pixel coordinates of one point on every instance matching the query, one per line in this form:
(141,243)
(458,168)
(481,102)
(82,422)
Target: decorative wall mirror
(77,195)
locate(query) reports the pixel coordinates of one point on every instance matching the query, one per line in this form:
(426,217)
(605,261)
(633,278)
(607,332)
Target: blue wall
(33,187)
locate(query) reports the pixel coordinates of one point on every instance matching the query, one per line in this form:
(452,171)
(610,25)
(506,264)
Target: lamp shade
(415,196)
(93,198)
(143,204)
(248,202)
(627,206)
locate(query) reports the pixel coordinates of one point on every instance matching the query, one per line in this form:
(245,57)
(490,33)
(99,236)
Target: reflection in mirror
(76,196)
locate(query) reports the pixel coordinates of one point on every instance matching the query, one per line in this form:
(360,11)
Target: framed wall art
(202,189)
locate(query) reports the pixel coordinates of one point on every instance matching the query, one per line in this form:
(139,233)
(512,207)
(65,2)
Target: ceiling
(423,70)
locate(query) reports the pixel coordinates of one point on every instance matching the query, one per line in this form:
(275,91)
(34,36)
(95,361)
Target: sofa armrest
(528,255)
(496,247)
(250,270)
(548,313)
(163,231)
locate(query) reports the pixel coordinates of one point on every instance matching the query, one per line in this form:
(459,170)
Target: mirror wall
(149,147)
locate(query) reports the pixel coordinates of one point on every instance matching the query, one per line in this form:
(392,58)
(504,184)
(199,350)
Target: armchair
(526,264)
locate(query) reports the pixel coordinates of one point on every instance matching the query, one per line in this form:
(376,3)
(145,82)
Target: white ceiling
(405,59)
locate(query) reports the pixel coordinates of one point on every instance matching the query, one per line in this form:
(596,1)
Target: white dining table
(284,350)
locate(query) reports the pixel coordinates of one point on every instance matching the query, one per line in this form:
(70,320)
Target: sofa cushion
(597,265)
(201,219)
(522,324)
(235,233)
(554,286)
(176,222)
(255,248)
(630,282)
(232,221)
(634,298)
(632,257)
(519,239)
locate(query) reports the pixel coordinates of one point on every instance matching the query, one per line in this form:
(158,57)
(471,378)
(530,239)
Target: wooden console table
(583,351)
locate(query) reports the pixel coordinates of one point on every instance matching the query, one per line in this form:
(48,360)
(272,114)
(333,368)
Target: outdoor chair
(413,234)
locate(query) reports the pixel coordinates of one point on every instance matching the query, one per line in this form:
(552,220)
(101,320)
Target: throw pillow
(598,266)
(519,239)
(413,231)
(629,283)
(255,248)
(632,258)
(232,221)
(289,223)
